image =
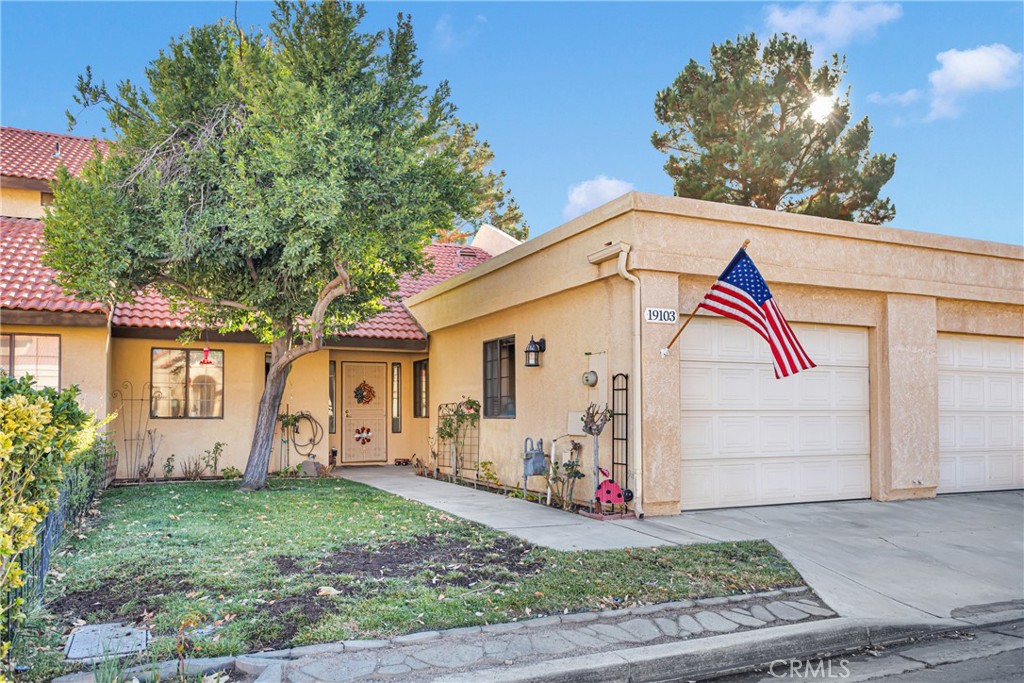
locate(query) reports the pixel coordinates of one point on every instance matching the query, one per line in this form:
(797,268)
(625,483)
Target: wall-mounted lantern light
(533,351)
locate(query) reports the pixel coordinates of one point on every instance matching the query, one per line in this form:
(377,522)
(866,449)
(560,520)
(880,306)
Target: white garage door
(981,426)
(751,439)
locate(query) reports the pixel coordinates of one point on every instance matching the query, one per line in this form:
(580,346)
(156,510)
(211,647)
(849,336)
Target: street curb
(992,619)
(703,658)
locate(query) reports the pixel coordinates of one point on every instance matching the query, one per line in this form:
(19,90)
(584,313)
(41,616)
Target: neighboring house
(918,339)
(127,360)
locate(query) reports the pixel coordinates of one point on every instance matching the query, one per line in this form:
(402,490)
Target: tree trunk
(263,437)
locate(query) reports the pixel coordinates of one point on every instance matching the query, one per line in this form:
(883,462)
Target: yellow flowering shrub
(41,430)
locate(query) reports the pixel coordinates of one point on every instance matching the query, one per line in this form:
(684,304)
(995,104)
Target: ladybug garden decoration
(608,492)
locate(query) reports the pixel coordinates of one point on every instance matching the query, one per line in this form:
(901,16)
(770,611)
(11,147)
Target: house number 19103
(660,315)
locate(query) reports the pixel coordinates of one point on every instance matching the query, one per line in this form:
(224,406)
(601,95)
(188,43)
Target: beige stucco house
(127,360)
(919,387)
(918,340)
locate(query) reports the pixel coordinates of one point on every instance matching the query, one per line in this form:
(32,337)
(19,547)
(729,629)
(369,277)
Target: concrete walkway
(538,524)
(921,559)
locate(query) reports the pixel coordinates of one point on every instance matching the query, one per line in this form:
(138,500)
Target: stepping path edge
(287,661)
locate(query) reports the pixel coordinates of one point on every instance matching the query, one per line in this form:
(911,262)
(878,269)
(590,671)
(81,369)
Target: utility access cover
(97,642)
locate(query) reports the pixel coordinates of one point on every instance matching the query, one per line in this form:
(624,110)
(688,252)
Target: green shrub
(41,432)
(230,472)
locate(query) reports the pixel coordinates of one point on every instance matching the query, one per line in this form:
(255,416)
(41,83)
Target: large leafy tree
(275,182)
(760,126)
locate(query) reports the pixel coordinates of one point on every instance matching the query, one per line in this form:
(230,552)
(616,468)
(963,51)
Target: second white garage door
(751,439)
(981,413)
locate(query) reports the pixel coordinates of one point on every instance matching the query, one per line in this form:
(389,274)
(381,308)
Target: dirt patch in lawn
(110,597)
(287,565)
(440,559)
(291,613)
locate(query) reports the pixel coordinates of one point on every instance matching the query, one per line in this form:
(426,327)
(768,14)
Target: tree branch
(203,299)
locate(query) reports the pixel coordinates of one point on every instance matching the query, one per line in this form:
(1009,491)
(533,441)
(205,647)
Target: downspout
(636,423)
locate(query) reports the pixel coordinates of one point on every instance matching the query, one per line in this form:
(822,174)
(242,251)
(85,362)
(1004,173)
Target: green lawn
(254,564)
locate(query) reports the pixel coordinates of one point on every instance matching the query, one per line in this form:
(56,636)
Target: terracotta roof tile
(28,285)
(148,310)
(397,322)
(32,153)
(394,323)
(25,283)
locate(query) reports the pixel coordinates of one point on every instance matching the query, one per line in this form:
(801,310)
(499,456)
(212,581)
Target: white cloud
(903,99)
(831,26)
(593,193)
(449,38)
(988,67)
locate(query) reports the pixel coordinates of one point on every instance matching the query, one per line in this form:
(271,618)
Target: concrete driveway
(911,560)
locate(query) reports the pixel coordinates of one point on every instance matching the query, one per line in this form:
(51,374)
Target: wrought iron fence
(77,491)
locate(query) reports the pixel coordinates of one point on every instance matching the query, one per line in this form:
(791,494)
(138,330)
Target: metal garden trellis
(458,436)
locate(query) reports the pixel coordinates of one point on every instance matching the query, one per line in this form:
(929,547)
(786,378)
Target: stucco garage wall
(904,286)
(593,319)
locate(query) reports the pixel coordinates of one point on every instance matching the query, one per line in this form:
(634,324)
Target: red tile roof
(32,153)
(26,284)
(395,322)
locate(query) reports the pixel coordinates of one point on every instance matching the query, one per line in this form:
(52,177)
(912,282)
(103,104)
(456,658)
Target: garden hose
(310,437)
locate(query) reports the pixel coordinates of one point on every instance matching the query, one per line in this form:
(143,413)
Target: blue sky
(564,92)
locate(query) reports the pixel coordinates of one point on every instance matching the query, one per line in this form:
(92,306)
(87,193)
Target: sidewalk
(586,637)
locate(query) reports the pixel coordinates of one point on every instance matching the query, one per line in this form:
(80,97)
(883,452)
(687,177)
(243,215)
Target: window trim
(8,368)
(396,398)
(188,389)
(507,340)
(421,386)
(332,389)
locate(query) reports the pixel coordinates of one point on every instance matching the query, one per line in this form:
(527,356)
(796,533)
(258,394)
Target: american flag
(742,294)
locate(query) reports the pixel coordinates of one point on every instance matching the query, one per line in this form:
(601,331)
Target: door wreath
(364,393)
(364,435)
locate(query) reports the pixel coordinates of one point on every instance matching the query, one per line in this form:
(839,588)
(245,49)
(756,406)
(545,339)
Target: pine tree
(763,128)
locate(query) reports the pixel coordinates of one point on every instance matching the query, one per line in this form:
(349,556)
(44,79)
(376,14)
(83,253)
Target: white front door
(981,413)
(364,405)
(751,439)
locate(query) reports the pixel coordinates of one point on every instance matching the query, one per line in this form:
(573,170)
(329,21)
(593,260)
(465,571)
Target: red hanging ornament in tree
(206,351)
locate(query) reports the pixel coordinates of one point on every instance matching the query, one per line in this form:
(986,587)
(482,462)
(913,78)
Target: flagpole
(664,351)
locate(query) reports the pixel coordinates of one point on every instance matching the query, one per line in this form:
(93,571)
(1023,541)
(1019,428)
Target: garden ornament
(608,492)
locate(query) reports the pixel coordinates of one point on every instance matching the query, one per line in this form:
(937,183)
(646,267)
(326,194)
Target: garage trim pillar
(905,400)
